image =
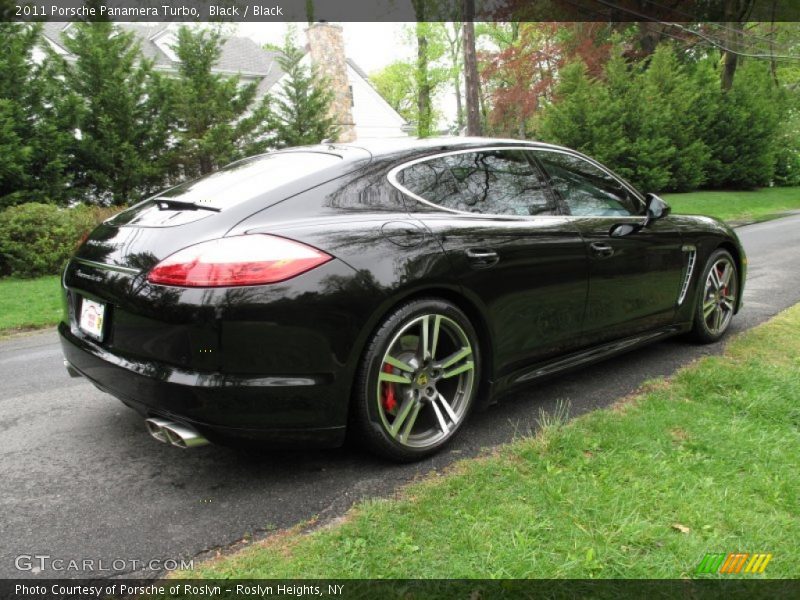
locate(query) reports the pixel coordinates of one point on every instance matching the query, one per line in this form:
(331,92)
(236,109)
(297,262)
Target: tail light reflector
(240,260)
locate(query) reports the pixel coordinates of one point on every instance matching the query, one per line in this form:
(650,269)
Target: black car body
(552,259)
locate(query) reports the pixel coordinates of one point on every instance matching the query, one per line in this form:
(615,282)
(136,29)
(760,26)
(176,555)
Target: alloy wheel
(719,298)
(426,381)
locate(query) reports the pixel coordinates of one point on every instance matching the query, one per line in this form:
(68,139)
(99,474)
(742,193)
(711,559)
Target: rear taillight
(241,260)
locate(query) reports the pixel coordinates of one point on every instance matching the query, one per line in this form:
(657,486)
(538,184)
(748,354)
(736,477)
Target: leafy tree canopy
(119,148)
(300,112)
(36,123)
(218,120)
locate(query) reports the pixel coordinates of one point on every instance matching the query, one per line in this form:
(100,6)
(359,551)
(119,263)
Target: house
(359,110)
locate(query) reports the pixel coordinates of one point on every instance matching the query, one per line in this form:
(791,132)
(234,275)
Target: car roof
(393,146)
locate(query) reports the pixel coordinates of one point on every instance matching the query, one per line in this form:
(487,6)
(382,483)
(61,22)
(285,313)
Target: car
(381,291)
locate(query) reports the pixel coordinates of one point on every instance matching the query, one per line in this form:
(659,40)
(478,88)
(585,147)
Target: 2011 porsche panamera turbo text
(385,288)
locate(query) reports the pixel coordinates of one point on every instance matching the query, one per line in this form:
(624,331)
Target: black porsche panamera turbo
(381,288)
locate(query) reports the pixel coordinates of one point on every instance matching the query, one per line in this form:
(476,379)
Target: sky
(371,45)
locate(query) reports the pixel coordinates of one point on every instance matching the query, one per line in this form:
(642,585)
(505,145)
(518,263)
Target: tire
(717,296)
(410,402)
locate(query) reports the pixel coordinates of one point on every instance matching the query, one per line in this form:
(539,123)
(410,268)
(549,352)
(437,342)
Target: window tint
(502,182)
(586,189)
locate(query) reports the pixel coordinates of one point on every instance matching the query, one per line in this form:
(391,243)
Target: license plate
(92,317)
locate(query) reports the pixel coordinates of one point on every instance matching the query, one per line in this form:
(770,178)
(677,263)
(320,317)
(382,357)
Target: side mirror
(656,208)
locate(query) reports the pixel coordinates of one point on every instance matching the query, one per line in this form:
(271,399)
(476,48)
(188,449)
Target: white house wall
(373,116)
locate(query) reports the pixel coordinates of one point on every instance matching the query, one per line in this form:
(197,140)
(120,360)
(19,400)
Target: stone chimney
(326,45)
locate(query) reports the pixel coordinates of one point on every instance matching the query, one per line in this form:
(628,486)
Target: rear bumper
(306,410)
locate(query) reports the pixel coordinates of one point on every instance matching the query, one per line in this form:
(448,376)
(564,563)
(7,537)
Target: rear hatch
(111,266)
(206,208)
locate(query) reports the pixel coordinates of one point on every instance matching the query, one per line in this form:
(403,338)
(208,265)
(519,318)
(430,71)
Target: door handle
(482,257)
(601,249)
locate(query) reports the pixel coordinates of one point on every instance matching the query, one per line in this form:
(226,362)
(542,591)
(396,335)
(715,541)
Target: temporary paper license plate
(92,316)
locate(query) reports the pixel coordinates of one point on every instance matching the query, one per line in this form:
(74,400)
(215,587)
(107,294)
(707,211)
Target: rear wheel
(717,297)
(418,380)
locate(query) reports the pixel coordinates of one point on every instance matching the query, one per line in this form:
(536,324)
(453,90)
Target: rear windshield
(249,178)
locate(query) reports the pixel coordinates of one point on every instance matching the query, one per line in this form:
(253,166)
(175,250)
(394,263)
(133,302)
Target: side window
(499,182)
(585,189)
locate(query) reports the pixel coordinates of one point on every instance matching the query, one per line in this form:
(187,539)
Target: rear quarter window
(486,181)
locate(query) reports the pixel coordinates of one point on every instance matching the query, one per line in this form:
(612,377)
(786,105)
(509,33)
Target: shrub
(638,121)
(668,126)
(787,157)
(742,135)
(37,239)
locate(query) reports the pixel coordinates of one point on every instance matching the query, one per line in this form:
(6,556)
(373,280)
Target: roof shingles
(237,54)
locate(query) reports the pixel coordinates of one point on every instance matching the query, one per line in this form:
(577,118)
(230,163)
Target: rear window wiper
(165,203)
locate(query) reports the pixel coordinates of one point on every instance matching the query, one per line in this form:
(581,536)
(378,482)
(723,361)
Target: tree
(301,109)
(471,81)
(422,77)
(519,76)
(519,67)
(395,84)
(572,119)
(429,73)
(430,43)
(119,152)
(634,120)
(218,120)
(742,131)
(453,34)
(666,123)
(673,97)
(36,123)
(735,13)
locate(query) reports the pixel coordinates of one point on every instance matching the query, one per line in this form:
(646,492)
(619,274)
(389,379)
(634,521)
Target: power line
(693,18)
(710,40)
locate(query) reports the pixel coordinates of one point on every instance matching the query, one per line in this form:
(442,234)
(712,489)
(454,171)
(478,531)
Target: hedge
(37,239)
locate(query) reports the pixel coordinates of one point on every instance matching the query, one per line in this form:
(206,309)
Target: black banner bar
(397,10)
(405,589)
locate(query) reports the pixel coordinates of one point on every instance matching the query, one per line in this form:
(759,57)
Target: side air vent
(691,258)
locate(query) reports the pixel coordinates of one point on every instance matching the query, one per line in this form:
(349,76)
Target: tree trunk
(730,59)
(424,124)
(456,58)
(459,107)
(649,37)
(471,82)
(773,67)
(206,165)
(736,12)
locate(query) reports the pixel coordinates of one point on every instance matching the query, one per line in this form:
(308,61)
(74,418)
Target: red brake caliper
(724,289)
(389,401)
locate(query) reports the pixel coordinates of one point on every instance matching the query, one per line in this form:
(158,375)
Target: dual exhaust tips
(168,432)
(176,434)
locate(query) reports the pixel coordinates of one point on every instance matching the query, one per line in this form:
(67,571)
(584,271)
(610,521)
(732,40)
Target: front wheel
(718,294)
(417,381)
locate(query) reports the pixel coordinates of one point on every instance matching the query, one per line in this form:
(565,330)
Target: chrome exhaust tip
(177,434)
(73,372)
(155,427)
(183,436)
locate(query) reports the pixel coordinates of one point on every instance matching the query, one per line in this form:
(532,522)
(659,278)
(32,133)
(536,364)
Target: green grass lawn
(737,206)
(28,303)
(704,462)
